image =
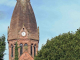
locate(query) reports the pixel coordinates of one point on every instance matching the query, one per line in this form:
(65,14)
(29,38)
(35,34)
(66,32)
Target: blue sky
(53,17)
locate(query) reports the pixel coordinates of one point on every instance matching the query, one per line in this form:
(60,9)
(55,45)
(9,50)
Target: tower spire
(22,14)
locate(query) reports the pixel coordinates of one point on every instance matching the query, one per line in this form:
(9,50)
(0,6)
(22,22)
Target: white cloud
(6,56)
(3,1)
(10,3)
(4,27)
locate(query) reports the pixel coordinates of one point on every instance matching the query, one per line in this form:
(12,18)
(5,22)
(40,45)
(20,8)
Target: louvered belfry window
(21,49)
(11,50)
(34,50)
(31,49)
(25,46)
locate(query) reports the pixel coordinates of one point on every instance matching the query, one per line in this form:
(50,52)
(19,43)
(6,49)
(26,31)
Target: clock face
(23,34)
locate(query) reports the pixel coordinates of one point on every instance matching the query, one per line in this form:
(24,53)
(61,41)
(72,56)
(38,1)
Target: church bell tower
(23,30)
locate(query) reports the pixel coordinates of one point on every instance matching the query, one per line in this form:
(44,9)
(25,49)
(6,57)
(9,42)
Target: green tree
(16,51)
(2,47)
(62,47)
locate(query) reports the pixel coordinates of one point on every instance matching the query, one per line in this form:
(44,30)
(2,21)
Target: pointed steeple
(23,14)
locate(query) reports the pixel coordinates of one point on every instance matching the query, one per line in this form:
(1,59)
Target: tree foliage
(16,51)
(62,47)
(2,47)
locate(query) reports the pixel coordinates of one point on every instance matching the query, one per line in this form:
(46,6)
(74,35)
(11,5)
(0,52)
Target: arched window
(31,49)
(21,49)
(34,50)
(26,46)
(11,50)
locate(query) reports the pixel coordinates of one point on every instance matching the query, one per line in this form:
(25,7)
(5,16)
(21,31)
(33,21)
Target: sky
(54,17)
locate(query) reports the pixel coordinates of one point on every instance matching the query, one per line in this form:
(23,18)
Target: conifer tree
(2,47)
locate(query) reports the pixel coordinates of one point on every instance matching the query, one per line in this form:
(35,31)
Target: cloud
(10,3)
(4,27)
(70,19)
(3,15)
(56,17)
(6,51)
